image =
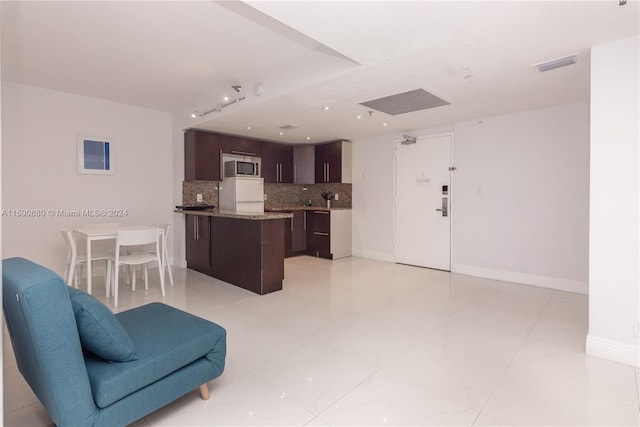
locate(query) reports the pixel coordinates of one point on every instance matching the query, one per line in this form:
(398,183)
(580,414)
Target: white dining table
(107,232)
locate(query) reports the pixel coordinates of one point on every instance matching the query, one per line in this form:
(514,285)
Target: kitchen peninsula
(306,196)
(244,250)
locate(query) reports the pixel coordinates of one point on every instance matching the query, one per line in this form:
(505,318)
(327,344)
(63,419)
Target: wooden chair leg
(204,391)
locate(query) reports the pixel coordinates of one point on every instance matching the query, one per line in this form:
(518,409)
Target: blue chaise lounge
(91,368)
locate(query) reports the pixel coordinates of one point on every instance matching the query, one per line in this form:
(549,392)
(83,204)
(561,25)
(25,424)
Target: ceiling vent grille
(406,102)
(556,63)
(288,127)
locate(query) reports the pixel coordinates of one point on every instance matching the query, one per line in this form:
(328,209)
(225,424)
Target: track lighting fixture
(218,108)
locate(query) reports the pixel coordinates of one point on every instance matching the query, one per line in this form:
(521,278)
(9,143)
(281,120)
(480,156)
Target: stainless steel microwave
(235,168)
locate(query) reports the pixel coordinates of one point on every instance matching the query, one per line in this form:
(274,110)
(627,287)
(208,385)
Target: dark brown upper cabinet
(202,156)
(241,146)
(277,163)
(333,162)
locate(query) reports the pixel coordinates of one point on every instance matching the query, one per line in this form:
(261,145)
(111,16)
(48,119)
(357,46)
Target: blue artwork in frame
(95,156)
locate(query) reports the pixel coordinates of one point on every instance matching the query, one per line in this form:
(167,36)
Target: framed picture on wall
(95,155)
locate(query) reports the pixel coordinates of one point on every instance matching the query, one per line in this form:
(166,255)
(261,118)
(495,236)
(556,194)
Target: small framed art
(95,155)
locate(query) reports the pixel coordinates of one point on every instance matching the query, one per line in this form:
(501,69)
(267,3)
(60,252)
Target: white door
(423,193)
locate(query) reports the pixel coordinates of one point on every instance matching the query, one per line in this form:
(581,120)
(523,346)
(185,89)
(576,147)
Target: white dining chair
(165,254)
(164,236)
(75,261)
(134,238)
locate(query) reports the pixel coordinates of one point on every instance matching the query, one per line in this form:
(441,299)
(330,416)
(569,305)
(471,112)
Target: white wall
(520,196)
(179,241)
(39,166)
(615,196)
(1,321)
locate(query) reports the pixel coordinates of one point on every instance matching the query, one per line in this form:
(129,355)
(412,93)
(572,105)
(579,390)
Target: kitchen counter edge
(251,216)
(306,208)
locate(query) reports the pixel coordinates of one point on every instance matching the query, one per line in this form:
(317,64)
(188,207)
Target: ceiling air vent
(406,102)
(556,63)
(288,127)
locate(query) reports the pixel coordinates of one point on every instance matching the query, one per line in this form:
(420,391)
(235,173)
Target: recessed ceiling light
(325,108)
(281,133)
(358,116)
(308,138)
(384,124)
(226,98)
(248,128)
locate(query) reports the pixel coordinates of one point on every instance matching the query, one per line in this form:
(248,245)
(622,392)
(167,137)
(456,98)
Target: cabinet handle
(328,172)
(305,221)
(320,233)
(321,212)
(245,153)
(280,169)
(295,174)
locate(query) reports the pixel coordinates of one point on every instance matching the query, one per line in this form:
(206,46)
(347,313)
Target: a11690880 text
(41,213)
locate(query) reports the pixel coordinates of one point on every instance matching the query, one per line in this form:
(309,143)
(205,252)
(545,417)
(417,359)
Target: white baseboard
(615,351)
(380,256)
(575,286)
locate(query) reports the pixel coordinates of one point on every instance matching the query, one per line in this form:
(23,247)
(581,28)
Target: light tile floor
(362,342)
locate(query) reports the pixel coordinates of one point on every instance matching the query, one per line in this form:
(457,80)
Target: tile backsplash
(278,195)
(208,189)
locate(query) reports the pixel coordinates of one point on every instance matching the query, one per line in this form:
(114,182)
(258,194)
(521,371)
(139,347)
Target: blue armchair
(89,369)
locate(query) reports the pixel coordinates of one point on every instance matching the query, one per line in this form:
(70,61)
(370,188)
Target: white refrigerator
(242,195)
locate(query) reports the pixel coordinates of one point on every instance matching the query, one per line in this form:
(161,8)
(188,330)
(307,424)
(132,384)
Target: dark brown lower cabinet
(295,234)
(248,253)
(319,234)
(198,245)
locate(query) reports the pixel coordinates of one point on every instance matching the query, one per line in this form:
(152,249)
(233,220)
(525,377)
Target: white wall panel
(614,249)
(520,196)
(39,167)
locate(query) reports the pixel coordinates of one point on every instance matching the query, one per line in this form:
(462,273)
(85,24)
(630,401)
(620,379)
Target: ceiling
(184,56)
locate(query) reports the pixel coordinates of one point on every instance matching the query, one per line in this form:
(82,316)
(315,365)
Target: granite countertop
(304,208)
(230,214)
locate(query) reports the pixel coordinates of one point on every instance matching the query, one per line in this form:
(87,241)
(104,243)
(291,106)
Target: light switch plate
(336,196)
(199,198)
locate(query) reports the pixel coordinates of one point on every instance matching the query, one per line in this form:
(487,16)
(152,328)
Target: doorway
(423,202)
